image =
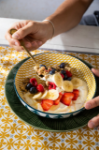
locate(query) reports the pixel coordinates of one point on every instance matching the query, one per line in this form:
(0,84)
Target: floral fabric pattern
(16,135)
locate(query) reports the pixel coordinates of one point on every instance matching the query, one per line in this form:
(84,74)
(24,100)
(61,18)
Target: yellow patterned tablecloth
(16,135)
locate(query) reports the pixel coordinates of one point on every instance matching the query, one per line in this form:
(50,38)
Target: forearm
(68,14)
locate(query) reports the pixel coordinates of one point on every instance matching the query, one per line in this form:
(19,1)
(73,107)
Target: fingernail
(40,43)
(15,35)
(92,69)
(88,106)
(16,44)
(91,124)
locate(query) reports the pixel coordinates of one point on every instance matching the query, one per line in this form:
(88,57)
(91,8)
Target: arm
(34,34)
(68,14)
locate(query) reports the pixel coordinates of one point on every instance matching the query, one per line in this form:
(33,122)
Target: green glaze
(54,125)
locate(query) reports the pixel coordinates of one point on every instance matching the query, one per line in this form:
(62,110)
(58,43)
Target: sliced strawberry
(33,81)
(40,88)
(67,98)
(68,73)
(62,75)
(76,94)
(51,85)
(46,104)
(56,102)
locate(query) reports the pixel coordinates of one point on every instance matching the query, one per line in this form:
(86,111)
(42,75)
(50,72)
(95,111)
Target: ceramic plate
(58,125)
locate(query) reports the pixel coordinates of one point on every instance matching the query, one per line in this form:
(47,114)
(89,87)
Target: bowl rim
(70,113)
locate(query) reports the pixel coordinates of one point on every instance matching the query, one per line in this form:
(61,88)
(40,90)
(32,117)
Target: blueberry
(63,72)
(52,71)
(42,66)
(69,78)
(33,90)
(65,77)
(28,86)
(62,65)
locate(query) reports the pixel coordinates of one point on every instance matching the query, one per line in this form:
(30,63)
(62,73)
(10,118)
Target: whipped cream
(50,78)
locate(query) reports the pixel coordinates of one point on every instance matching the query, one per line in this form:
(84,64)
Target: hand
(94,122)
(33,34)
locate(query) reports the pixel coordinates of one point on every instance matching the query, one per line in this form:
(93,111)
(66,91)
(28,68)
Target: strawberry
(76,94)
(46,104)
(56,102)
(40,88)
(33,81)
(68,73)
(67,98)
(51,85)
(62,75)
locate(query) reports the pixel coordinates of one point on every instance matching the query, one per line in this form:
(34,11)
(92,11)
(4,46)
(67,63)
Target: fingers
(92,103)
(94,122)
(11,41)
(35,45)
(24,31)
(31,43)
(18,48)
(95,71)
(28,45)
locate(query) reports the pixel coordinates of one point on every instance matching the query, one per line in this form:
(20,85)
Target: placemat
(15,134)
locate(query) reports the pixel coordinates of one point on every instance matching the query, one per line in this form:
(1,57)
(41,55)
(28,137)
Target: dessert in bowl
(69,83)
